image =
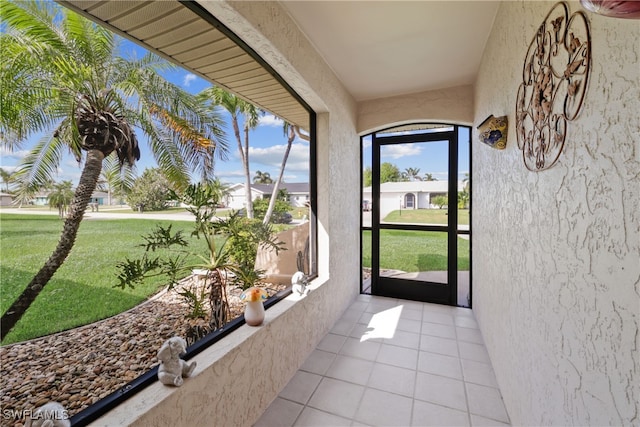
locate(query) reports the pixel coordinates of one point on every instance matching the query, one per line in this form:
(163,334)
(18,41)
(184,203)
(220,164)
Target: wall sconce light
(613,8)
(493,132)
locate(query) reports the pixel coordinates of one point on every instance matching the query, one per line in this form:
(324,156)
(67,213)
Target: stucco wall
(450,105)
(556,254)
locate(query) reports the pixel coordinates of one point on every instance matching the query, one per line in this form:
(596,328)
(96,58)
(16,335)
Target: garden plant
(230,260)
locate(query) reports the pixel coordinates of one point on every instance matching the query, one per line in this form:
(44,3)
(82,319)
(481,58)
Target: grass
(82,290)
(426,216)
(413,251)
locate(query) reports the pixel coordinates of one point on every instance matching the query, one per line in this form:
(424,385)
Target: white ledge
(246,369)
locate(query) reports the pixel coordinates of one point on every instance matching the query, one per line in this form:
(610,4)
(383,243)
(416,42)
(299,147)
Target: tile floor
(390,362)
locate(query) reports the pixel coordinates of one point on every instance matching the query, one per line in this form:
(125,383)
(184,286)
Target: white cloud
(298,159)
(16,154)
(400,150)
(232,175)
(270,120)
(9,169)
(188,78)
(296,178)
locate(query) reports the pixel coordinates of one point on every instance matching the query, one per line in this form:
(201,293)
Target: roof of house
(415,186)
(291,187)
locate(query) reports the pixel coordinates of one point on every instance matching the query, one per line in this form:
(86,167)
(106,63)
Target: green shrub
(150,192)
(280,210)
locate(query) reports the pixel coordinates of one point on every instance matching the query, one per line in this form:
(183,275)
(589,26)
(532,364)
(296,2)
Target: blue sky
(267,142)
(428,157)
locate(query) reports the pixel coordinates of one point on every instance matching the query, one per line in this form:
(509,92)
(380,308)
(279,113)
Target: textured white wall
(451,105)
(556,254)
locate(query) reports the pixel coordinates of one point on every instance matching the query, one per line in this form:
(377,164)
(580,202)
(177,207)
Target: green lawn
(413,251)
(426,216)
(81,291)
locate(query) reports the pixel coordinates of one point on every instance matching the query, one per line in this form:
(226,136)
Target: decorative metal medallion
(493,131)
(554,83)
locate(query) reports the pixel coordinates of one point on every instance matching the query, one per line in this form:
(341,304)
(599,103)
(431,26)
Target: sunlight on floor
(383,324)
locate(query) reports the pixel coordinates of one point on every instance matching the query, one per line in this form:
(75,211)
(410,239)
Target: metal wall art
(554,84)
(493,132)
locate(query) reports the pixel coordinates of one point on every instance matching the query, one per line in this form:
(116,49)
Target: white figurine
(172,369)
(299,283)
(51,414)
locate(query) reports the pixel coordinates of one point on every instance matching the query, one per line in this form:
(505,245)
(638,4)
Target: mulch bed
(78,367)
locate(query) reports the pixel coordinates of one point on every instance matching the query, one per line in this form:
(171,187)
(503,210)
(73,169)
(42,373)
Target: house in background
(409,195)
(100,198)
(298,194)
(5,199)
(97,198)
(41,199)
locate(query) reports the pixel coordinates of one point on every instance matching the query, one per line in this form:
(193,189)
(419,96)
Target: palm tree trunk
(86,187)
(274,193)
(244,157)
(247,174)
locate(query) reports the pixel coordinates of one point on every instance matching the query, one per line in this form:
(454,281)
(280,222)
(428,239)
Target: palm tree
(262,178)
(464,196)
(117,181)
(429,177)
(291,131)
(61,197)
(7,178)
(237,108)
(412,174)
(60,74)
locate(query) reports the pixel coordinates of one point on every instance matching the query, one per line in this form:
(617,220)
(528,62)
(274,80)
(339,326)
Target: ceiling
(386,48)
(376,48)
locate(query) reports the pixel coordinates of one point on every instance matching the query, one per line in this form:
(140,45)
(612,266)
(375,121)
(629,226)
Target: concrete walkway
(120,213)
(105,213)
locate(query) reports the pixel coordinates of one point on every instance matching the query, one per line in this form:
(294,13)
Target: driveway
(106,213)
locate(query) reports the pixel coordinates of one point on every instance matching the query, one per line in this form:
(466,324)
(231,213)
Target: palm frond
(184,132)
(35,20)
(119,177)
(165,152)
(39,167)
(196,131)
(94,44)
(25,95)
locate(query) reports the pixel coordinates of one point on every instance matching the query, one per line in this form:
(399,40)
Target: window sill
(248,366)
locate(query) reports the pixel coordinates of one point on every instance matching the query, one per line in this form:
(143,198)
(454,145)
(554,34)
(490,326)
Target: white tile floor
(390,362)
